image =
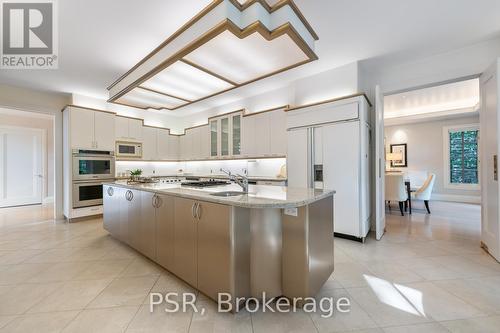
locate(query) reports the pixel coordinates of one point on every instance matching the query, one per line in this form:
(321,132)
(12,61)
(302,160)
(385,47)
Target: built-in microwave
(128,149)
(93,164)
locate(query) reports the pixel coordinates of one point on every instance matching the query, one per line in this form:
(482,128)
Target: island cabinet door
(165,231)
(111,210)
(214,248)
(130,224)
(185,265)
(145,225)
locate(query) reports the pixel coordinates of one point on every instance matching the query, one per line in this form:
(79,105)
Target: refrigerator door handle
(310,157)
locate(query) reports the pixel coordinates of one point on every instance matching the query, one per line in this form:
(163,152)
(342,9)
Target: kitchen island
(273,240)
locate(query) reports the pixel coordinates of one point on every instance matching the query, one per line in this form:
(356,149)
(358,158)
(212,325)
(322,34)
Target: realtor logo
(29,39)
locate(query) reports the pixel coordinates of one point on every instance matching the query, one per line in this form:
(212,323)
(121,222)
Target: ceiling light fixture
(227,45)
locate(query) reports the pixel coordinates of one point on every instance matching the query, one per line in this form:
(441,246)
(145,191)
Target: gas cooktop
(205,183)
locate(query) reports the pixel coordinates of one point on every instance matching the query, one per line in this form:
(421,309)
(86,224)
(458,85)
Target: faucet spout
(241,180)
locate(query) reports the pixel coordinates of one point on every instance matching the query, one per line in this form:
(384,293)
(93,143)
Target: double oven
(91,168)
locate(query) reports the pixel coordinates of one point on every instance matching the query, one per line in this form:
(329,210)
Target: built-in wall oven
(93,164)
(87,193)
(91,168)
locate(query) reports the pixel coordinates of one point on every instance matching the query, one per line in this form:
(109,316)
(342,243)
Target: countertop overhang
(259,196)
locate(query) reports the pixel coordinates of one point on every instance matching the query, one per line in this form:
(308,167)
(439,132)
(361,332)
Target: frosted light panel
(144,98)
(242,60)
(185,81)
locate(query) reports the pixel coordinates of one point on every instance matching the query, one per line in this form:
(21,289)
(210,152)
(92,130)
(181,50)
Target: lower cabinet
(165,231)
(197,241)
(144,225)
(111,208)
(214,248)
(202,245)
(185,231)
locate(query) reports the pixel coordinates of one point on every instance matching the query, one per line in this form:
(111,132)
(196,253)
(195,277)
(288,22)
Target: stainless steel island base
(220,247)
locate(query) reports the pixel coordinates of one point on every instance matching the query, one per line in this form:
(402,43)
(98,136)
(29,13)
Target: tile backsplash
(255,167)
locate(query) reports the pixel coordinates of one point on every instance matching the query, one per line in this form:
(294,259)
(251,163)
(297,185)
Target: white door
(490,228)
(21,154)
(379,165)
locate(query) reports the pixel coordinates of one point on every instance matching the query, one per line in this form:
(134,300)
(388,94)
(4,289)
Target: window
(462,158)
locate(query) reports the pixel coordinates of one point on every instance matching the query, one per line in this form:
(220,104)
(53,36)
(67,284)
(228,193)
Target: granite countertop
(259,196)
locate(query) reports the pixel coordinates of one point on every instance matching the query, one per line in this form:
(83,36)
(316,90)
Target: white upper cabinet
(248,144)
(173,147)
(195,142)
(135,129)
(121,127)
(278,138)
(158,144)
(104,134)
(264,134)
(149,143)
(128,129)
(91,129)
(163,146)
(81,128)
(205,141)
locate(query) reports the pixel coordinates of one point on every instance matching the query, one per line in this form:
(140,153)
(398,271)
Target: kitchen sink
(227,194)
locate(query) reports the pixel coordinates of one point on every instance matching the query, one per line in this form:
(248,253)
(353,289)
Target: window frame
(446,157)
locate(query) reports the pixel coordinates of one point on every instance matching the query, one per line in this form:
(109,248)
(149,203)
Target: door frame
(43,161)
(383,93)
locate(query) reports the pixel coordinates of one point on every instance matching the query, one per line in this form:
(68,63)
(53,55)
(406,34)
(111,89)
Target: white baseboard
(457,198)
(47,200)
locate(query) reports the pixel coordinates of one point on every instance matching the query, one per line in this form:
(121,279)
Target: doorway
(27,159)
(430,143)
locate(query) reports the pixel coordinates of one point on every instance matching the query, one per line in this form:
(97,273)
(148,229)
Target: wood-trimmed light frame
(294,26)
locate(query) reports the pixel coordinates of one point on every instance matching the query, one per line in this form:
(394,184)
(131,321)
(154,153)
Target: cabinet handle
(193,209)
(198,211)
(111,191)
(129,196)
(153,201)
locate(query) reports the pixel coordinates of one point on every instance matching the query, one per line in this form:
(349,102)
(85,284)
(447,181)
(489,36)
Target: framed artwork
(401,149)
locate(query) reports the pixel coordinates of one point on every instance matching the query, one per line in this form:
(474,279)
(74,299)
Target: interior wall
(45,103)
(337,82)
(425,153)
(46,124)
(394,75)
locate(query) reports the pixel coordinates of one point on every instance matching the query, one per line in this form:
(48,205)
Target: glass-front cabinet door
(236,135)
(214,151)
(224,136)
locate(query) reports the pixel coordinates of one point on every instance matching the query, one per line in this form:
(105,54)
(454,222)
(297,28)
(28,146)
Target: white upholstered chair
(395,190)
(425,191)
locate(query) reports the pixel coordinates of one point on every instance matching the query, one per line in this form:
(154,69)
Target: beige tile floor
(427,274)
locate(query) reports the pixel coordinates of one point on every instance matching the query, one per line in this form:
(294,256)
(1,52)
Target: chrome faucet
(238,179)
